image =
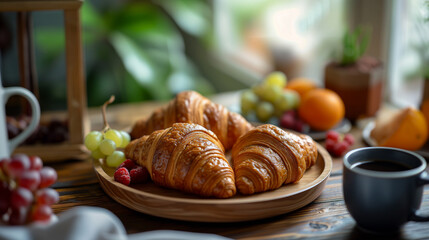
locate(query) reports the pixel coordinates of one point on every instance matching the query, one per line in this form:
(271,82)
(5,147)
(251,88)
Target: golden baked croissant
(267,157)
(186,157)
(191,107)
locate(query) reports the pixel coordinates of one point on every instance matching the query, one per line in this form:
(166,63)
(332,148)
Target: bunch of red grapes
(54,131)
(25,195)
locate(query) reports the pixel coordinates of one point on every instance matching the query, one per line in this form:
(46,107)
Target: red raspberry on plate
(122,176)
(349,138)
(139,175)
(338,144)
(128,164)
(341,148)
(331,134)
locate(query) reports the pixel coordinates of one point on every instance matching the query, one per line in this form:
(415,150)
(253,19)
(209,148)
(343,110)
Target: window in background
(296,37)
(409,51)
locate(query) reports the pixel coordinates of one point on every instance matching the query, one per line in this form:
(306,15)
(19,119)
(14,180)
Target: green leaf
(354,45)
(134,60)
(142,20)
(90,18)
(141,66)
(193,16)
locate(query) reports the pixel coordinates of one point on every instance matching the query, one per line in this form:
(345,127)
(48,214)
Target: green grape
(264,111)
(248,101)
(93,139)
(287,101)
(259,90)
(115,159)
(277,79)
(272,93)
(97,154)
(125,139)
(114,135)
(107,146)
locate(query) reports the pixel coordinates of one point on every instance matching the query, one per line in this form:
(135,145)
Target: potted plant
(357,79)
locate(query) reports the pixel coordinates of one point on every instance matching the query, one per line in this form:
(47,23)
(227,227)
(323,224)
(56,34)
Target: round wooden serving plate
(154,200)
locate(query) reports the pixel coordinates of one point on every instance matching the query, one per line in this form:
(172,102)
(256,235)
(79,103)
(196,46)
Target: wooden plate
(154,200)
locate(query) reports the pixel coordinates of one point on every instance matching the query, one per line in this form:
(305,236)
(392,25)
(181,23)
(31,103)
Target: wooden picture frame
(78,121)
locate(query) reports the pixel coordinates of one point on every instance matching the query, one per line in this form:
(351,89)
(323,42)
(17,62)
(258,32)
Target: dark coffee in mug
(383,187)
(381,166)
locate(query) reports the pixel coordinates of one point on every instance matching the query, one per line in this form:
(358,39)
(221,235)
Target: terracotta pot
(425,89)
(360,87)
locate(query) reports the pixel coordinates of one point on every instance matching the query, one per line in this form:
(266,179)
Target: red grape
(29,179)
(21,197)
(47,196)
(41,213)
(287,121)
(36,163)
(24,192)
(18,216)
(47,177)
(4,197)
(18,164)
(4,206)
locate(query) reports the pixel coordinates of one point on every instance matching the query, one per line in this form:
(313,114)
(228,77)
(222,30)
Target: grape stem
(103,110)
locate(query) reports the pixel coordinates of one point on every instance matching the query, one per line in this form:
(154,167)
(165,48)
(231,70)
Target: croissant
(191,107)
(267,157)
(186,157)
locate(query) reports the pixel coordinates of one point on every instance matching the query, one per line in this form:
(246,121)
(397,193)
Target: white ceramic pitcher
(7,146)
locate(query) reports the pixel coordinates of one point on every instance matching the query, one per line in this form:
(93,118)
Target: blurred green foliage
(135,49)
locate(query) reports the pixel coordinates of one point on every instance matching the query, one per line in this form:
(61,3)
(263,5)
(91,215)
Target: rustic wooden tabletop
(325,218)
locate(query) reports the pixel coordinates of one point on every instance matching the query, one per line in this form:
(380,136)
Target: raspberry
(337,144)
(340,148)
(330,144)
(128,164)
(349,138)
(331,134)
(139,175)
(122,176)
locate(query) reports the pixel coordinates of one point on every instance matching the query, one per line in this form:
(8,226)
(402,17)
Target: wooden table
(325,218)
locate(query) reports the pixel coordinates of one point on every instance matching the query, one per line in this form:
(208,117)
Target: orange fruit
(321,108)
(406,129)
(301,85)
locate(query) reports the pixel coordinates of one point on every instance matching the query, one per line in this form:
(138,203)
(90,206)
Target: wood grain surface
(324,218)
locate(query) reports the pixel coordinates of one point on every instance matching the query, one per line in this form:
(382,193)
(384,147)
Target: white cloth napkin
(92,223)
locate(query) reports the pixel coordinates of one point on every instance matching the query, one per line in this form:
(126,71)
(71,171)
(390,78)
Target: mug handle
(35,114)
(423,180)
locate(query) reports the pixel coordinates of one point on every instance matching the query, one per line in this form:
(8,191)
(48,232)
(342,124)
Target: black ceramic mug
(383,187)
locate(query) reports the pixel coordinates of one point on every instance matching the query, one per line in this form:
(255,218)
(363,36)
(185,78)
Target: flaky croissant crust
(191,107)
(267,157)
(186,157)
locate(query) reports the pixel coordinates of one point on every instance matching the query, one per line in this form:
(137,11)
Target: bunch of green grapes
(105,143)
(269,98)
